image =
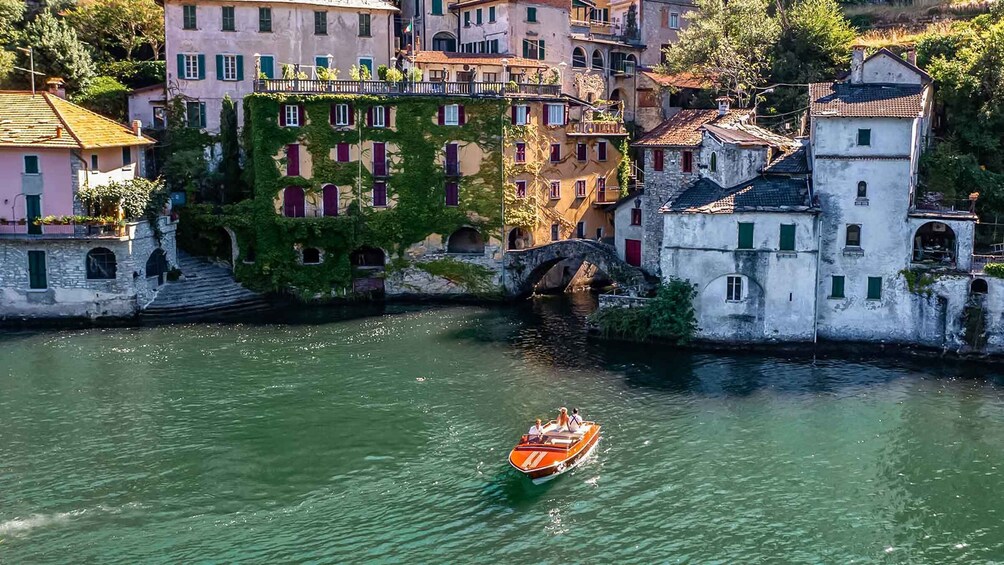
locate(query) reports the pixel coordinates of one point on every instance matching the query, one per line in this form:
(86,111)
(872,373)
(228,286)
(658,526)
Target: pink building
(211,45)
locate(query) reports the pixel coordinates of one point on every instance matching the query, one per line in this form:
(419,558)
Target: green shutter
(526,48)
(268,67)
(837,286)
(437,7)
(36,270)
(745,235)
(874,288)
(240,67)
(540,50)
(33,211)
(531,14)
(219,67)
(202,67)
(321,62)
(787,237)
(181,66)
(202,115)
(864,137)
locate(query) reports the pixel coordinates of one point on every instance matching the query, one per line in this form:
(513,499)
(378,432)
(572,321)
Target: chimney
(723,105)
(137,128)
(858,64)
(56,86)
(911,56)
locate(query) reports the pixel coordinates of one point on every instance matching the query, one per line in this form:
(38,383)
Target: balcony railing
(597,128)
(47,231)
(404,88)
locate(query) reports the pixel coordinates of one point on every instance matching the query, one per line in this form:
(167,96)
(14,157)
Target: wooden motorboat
(557,451)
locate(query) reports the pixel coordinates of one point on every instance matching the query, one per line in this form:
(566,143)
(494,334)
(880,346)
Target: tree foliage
(106,96)
(57,50)
(132,197)
(230,159)
(669,315)
(119,25)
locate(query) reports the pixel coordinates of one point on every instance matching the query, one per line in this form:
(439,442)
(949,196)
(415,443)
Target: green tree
(119,25)
(730,42)
(106,96)
(11,15)
(230,159)
(58,51)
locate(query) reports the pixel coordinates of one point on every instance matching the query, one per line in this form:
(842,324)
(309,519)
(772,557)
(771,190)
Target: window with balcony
(554,114)
(342,115)
(601,189)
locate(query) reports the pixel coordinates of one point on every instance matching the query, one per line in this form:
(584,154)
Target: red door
(632,252)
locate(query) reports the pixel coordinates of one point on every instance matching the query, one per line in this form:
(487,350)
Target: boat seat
(562,441)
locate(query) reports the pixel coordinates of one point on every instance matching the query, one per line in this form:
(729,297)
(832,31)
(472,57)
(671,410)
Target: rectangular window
(364,25)
(195,114)
(126,156)
(31,165)
(554,232)
(94,162)
(580,230)
(265,19)
(36,270)
(490,77)
(635,216)
(491,14)
(368,63)
(229,67)
(188,20)
(467,19)
(379,117)
(522,114)
(601,189)
(864,137)
(580,189)
(520,152)
(342,153)
(853,235)
(291,112)
(745,235)
(437,9)
(379,193)
(229,22)
(734,288)
(191,70)
(601,150)
(32,212)
(837,286)
(658,159)
(452,194)
(292,160)
(479,19)
(580,151)
(452,160)
(451,115)
(874,288)
(521,189)
(320,23)
(555,192)
(787,239)
(555,115)
(531,15)
(379,159)
(674,21)
(688,162)
(341,114)
(555,152)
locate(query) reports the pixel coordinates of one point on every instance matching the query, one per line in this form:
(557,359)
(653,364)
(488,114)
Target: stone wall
(660,187)
(413,280)
(69,293)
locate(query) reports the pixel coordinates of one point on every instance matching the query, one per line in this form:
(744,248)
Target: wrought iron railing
(598,128)
(404,88)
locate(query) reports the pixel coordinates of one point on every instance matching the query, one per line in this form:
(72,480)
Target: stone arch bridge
(525,267)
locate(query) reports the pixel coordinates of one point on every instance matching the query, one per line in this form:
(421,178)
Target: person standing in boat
(536,432)
(562,418)
(574,421)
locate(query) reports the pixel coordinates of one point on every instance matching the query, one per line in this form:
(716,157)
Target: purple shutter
(293,202)
(386,116)
(379,193)
(514,114)
(303,115)
(461,118)
(601,151)
(547,115)
(442,115)
(555,152)
(369,117)
(379,159)
(282,115)
(452,166)
(452,194)
(330,200)
(331,115)
(342,153)
(580,150)
(352,115)
(292,160)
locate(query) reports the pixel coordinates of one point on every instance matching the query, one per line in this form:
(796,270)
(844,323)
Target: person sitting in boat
(536,433)
(574,421)
(562,419)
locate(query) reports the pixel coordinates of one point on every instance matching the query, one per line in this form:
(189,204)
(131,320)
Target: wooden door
(632,252)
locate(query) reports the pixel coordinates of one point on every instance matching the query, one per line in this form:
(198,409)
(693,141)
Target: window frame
(746,231)
(519,156)
(191,70)
(522,113)
(531,15)
(294,121)
(229,59)
(341,114)
(520,189)
(635,216)
(555,110)
(674,20)
(102,271)
(554,153)
(383,193)
(580,188)
(34,276)
(847,235)
(189,17)
(491,14)
(320,22)
(264,19)
(451,114)
(379,117)
(874,289)
(837,289)
(554,190)
(126,155)
(862,191)
(581,152)
(38,164)
(864,138)
(601,151)
(365,17)
(658,160)
(734,288)
(555,232)
(232,20)
(787,241)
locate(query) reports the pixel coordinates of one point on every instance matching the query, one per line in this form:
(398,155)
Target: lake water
(329,438)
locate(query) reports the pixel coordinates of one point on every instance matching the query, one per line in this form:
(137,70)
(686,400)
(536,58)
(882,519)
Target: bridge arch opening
(569,264)
(466,240)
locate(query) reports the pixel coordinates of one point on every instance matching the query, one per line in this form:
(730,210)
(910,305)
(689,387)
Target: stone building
(55,261)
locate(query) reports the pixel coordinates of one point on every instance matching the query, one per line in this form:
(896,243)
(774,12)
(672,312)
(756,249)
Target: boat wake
(23,525)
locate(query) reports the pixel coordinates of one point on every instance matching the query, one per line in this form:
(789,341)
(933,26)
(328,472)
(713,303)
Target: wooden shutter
(267,67)
(352,114)
(202,114)
(745,235)
(303,115)
(36,270)
(293,202)
(461,116)
(657,159)
(282,115)
(452,164)
(219,67)
(202,67)
(837,287)
(292,160)
(342,153)
(369,118)
(240,67)
(514,114)
(787,237)
(379,193)
(442,115)
(332,114)
(601,151)
(181,66)
(540,49)
(580,151)
(379,159)
(386,116)
(874,288)
(452,194)
(330,200)
(547,114)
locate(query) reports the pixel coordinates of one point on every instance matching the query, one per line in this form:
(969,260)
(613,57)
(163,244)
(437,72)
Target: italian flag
(407,28)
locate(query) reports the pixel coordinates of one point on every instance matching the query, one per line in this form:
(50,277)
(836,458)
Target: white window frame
(191,66)
(553,194)
(580,193)
(734,288)
(378,117)
(451,115)
(292,118)
(229,67)
(522,114)
(341,114)
(674,20)
(555,114)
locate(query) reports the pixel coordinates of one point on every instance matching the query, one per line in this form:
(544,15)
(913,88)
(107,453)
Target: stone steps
(206,290)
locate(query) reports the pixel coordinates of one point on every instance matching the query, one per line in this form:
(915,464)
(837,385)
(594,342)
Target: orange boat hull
(558,453)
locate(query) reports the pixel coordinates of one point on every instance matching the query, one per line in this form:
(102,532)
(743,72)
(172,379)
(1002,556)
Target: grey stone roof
(842,99)
(792,163)
(762,194)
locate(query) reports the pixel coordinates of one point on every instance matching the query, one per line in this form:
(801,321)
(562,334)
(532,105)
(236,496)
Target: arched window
(862,189)
(444,41)
(100,264)
(714,162)
(979,286)
(853,236)
(597,60)
(367,257)
(578,58)
(465,240)
(330,199)
(293,205)
(311,255)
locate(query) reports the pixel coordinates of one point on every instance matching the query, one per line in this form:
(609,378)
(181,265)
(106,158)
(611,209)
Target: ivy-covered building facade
(415,187)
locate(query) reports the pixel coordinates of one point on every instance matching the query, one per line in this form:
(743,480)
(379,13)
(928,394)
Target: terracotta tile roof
(842,99)
(560,4)
(45,120)
(684,128)
(762,194)
(347,4)
(682,80)
(443,57)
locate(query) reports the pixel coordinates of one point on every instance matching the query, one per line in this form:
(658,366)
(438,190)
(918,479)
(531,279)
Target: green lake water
(327,438)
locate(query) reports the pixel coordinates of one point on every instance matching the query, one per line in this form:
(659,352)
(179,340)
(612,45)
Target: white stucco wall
(624,230)
(883,69)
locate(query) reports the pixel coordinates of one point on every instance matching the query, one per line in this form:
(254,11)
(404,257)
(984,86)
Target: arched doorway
(578,58)
(444,41)
(934,244)
(519,238)
(368,257)
(979,286)
(156,265)
(615,95)
(465,240)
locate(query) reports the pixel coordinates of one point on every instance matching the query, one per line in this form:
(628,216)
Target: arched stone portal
(156,265)
(519,238)
(466,240)
(368,257)
(524,268)
(934,244)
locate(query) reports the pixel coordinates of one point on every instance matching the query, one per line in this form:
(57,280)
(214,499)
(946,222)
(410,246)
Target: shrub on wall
(670,316)
(994,270)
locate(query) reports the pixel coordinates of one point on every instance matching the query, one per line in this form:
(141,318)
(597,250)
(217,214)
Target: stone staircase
(205,291)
